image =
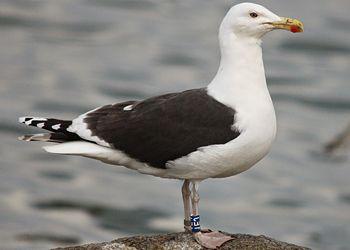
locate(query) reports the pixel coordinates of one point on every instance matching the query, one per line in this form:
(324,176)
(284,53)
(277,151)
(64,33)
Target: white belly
(232,158)
(220,161)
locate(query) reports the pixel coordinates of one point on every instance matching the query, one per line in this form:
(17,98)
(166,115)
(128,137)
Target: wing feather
(159,129)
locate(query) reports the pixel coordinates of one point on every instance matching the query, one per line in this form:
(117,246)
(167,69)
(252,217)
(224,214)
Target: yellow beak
(290,24)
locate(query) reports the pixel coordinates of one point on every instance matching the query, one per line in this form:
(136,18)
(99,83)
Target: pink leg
(210,240)
(186,201)
(195,197)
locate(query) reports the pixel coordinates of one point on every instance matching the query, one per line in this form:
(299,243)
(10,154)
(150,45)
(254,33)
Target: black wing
(165,127)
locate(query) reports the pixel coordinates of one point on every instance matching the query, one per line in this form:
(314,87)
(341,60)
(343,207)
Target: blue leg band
(195,224)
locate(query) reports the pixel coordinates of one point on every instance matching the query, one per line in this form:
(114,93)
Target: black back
(165,127)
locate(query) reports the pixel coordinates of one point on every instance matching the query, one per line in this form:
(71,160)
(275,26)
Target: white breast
(258,131)
(254,143)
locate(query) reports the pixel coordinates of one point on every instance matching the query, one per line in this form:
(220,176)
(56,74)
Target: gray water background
(62,58)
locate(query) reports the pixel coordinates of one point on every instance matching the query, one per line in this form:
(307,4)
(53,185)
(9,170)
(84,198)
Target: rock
(181,241)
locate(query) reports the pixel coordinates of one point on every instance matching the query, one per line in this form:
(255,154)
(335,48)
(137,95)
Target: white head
(253,21)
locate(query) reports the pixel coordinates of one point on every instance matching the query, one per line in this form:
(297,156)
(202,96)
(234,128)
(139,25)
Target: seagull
(216,131)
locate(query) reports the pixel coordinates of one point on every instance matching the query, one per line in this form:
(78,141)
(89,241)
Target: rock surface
(174,241)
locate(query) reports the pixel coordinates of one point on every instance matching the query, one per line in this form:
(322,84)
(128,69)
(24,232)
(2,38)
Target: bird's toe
(211,240)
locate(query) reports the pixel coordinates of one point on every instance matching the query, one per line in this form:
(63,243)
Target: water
(61,58)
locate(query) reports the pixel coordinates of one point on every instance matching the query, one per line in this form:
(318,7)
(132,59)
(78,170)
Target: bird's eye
(253,15)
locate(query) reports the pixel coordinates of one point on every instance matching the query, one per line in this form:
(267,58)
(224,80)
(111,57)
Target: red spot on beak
(295,29)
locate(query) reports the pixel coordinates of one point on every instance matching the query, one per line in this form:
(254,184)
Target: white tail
(77,148)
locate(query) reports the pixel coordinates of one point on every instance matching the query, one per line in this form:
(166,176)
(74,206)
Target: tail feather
(47,137)
(59,129)
(84,148)
(53,125)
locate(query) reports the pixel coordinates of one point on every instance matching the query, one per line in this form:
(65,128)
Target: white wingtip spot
(39,119)
(127,108)
(56,127)
(28,122)
(22,119)
(40,125)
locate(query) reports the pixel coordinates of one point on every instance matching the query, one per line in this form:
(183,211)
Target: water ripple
(321,103)
(315,47)
(125,4)
(47,237)
(134,220)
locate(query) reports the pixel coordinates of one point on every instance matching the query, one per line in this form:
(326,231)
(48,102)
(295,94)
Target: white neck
(240,81)
(241,67)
